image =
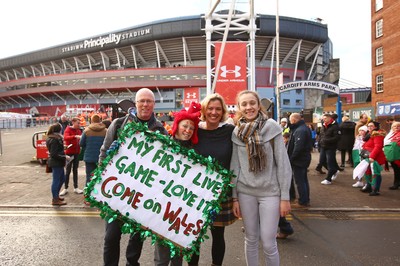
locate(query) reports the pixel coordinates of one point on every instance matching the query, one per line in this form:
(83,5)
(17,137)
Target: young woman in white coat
(263,175)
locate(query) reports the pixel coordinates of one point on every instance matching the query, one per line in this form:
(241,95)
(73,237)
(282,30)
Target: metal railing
(1,145)
(8,123)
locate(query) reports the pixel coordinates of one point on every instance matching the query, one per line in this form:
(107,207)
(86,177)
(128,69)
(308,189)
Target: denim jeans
(58,180)
(332,164)
(303,187)
(112,241)
(89,169)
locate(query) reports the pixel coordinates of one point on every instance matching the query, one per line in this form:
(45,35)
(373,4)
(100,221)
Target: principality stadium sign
(112,38)
(309,84)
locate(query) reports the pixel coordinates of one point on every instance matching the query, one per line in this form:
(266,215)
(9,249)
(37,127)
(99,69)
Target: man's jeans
(303,187)
(90,167)
(332,164)
(112,241)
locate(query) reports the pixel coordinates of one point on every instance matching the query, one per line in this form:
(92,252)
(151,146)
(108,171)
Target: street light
(278,79)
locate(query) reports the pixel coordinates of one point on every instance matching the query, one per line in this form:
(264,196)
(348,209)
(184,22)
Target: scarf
(249,133)
(327,124)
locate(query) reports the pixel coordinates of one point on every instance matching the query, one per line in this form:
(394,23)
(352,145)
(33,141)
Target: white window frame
(378,5)
(379,28)
(379,56)
(379,83)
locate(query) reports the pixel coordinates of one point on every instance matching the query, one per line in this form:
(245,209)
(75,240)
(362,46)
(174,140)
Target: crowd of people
(68,143)
(269,160)
(363,142)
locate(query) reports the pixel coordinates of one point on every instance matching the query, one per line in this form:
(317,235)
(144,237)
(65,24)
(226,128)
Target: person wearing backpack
(390,139)
(143,113)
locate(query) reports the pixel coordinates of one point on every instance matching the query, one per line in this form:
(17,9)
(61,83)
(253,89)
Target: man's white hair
(142,90)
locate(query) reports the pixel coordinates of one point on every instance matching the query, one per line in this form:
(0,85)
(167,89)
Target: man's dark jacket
(299,147)
(329,136)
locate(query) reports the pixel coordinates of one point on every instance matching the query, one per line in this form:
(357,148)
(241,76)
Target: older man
(64,121)
(144,113)
(363,121)
(299,151)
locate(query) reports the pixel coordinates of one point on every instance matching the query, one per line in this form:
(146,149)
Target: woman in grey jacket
(263,174)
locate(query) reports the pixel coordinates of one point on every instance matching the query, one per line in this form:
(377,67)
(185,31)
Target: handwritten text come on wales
(159,189)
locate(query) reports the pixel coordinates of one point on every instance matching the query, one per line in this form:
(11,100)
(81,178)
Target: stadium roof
(164,42)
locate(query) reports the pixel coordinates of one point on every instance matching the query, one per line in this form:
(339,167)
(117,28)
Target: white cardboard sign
(162,190)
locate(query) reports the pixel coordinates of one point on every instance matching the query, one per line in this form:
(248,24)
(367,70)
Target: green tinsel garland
(129,225)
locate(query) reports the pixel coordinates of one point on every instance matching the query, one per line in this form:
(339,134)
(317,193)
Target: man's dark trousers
(303,187)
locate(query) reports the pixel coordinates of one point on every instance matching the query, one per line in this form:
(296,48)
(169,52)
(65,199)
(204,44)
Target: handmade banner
(156,187)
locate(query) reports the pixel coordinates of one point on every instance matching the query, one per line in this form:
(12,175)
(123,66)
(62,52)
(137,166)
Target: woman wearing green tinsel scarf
(263,175)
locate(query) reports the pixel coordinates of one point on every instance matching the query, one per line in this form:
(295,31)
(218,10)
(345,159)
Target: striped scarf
(249,133)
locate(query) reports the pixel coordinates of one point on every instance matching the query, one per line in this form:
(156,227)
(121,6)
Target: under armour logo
(191,95)
(236,71)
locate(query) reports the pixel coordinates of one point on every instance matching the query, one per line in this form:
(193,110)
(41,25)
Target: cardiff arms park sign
(155,187)
(309,84)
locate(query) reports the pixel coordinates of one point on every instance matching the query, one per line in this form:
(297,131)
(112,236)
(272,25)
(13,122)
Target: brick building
(385,42)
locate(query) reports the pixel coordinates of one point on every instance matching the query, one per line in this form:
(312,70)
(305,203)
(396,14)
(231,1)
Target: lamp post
(278,80)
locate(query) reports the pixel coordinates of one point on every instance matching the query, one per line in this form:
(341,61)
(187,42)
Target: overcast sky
(28,25)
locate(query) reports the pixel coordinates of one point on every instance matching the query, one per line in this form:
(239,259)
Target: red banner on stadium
(190,95)
(232,75)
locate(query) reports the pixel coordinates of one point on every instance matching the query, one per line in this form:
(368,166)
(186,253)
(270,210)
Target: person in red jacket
(374,145)
(72,136)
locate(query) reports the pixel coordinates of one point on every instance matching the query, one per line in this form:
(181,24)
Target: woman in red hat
(184,131)
(186,124)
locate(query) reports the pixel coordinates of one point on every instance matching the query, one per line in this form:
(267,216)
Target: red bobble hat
(193,114)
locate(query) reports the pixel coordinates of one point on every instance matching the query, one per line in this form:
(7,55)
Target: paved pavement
(24,183)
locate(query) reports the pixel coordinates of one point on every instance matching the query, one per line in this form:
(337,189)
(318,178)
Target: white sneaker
(326,182)
(78,191)
(334,176)
(358,184)
(64,192)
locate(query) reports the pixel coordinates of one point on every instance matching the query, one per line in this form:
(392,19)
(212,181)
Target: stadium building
(168,56)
